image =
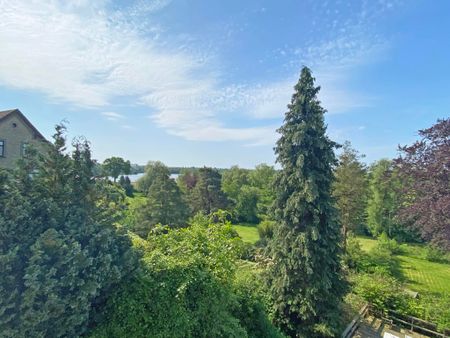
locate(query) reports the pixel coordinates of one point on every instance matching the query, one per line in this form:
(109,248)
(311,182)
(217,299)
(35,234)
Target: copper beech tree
(425,168)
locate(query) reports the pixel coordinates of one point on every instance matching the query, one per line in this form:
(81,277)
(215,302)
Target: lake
(135,177)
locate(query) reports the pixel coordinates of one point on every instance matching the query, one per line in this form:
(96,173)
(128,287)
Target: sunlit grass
(422,275)
(367,243)
(419,274)
(248,232)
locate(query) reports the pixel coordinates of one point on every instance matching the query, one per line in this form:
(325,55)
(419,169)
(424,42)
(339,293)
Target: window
(23,148)
(2,148)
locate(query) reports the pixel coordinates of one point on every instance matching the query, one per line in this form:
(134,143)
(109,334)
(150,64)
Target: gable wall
(14,138)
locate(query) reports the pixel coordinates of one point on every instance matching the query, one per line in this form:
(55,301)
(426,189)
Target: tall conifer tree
(305,278)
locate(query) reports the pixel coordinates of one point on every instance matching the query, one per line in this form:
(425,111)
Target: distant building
(16,133)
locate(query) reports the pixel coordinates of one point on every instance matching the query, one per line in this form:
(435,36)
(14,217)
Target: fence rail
(353,326)
(408,322)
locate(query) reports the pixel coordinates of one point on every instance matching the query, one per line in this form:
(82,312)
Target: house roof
(7,113)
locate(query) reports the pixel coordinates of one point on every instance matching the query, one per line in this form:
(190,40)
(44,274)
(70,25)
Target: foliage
(262,178)
(353,256)
(185,289)
(384,200)
(305,278)
(253,305)
(244,197)
(425,167)
(388,244)
(207,195)
(165,205)
(432,308)
(115,166)
(379,259)
(220,216)
(187,180)
(60,254)
(434,254)
(265,231)
(233,180)
(247,204)
(350,190)
(125,183)
(153,170)
(381,291)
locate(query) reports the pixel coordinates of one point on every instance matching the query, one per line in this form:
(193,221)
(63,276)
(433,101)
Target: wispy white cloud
(112,116)
(88,54)
(74,52)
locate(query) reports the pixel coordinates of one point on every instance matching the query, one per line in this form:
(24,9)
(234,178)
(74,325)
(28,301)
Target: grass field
(248,232)
(367,243)
(420,275)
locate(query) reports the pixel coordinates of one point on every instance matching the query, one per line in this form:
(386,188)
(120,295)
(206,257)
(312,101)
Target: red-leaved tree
(425,167)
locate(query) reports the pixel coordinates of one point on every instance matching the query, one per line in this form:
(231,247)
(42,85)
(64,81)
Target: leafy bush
(381,291)
(379,260)
(185,288)
(265,231)
(353,256)
(253,305)
(434,254)
(391,245)
(432,308)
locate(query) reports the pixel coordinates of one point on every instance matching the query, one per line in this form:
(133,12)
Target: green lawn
(248,232)
(420,275)
(367,243)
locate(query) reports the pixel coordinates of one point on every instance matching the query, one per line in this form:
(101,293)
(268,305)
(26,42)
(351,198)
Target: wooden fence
(395,318)
(353,326)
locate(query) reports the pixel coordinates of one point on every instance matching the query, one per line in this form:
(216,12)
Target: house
(16,133)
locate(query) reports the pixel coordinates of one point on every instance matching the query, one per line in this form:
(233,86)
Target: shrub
(353,256)
(381,291)
(265,231)
(185,288)
(391,245)
(253,305)
(381,261)
(434,254)
(432,308)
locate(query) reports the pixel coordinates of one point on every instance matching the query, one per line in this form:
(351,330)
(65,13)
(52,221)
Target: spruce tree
(305,278)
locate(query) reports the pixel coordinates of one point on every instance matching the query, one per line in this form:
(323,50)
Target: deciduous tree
(425,168)
(350,191)
(153,170)
(115,166)
(384,200)
(262,178)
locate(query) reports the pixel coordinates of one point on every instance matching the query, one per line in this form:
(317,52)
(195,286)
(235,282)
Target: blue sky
(192,82)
